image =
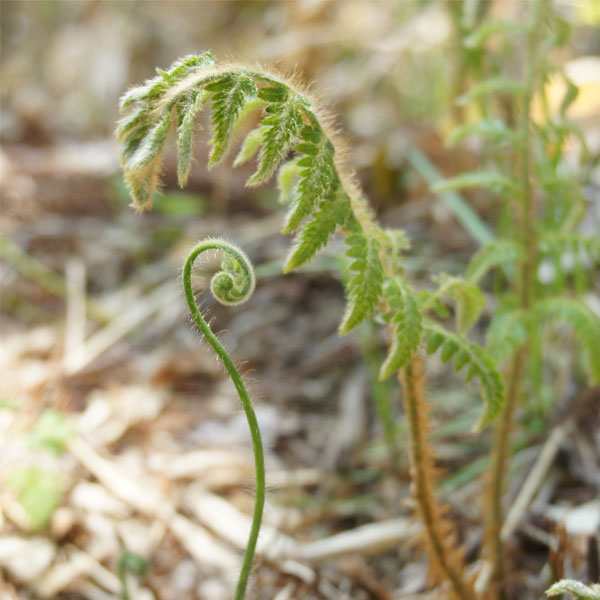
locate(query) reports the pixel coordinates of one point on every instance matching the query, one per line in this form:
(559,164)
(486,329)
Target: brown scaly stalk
(440,535)
(526,291)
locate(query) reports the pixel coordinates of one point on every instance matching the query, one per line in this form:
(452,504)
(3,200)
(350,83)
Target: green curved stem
(233,285)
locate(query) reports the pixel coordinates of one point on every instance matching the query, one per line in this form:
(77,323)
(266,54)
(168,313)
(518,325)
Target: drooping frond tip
(292,136)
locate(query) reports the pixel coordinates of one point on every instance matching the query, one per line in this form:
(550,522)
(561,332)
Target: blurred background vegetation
(103,382)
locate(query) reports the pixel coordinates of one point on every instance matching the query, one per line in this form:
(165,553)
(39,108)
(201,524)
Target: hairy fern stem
(232,285)
(440,535)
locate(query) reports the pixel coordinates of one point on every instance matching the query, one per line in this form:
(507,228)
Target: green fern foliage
(287,179)
(317,231)
(281,125)
(490,130)
(406,325)
(470,303)
(143,131)
(477,38)
(492,180)
(228,95)
(153,142)
(571,255)
(285,135)
(149,93)
(365,280)
(478,364)
(506,333)
(317,177)
(499,253)
(320,200)
(468,298)
(584,322)
(187,110)
(250,147)
(492,85)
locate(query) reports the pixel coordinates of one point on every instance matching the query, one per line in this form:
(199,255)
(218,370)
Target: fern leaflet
(287,178)
(187,110)
(468,298)
(495,254)
(506,333)
(493,130)
(479,364)
(570,253)
(250,147)
(280,129)
(365,281)
(492,180)
(584,322)
(317,178)
(406,327)
(229,94)
(316,233)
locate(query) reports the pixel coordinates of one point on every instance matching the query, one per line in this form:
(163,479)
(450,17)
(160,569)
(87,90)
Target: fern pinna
(295,139)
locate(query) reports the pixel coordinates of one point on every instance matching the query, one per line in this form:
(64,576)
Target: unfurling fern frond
(232,285)
(152,91)
(320,197)
(584,322)
(153,143)
(365,280)
(406,325)
(477,362)
(228,95)
(145,161)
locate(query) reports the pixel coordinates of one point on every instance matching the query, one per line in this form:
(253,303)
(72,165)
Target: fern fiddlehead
(232,285)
